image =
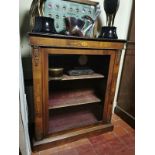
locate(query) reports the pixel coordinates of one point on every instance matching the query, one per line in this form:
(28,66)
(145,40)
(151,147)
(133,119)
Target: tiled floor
(121,141)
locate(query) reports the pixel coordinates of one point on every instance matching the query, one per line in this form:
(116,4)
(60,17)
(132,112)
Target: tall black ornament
(109,31)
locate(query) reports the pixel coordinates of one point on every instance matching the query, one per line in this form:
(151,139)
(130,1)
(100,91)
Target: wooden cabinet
(72,107)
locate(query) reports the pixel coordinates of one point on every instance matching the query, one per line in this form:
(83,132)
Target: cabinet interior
(76,101)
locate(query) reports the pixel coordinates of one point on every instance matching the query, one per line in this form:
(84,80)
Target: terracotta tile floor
(121,141)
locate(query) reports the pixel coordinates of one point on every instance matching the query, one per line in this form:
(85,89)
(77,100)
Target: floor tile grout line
(92,147)
(125,129)
(118,137)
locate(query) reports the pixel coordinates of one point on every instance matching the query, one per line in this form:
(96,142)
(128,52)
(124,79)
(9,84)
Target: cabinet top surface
(48,35)
(62,41)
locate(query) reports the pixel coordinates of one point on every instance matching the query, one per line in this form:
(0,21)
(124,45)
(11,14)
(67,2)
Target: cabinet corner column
(111,86)
(37,90)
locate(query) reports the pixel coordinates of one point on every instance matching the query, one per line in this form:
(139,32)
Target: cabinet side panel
(108,88)
(37,88)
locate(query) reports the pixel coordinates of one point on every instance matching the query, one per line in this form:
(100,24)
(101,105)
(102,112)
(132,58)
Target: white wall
(123,18)
(24,6)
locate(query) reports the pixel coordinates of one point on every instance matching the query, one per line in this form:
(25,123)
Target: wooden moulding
(71,136)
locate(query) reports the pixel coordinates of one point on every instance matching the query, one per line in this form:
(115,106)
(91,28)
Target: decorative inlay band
(36,56)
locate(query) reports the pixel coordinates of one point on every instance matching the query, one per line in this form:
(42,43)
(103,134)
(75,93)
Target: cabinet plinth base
(63,138)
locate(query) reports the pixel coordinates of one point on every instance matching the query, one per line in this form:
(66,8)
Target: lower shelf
(64,120)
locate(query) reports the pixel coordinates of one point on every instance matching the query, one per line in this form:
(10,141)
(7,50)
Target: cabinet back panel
(98,63)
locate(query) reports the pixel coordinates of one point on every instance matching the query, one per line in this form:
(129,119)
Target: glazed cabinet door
(77,101)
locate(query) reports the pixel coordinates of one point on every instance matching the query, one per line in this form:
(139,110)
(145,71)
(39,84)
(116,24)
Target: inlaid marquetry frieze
(36,56)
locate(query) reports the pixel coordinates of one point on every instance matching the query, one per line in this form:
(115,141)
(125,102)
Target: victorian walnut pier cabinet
(72,107)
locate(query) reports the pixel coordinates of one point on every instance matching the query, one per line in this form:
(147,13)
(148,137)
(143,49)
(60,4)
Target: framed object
(60,9)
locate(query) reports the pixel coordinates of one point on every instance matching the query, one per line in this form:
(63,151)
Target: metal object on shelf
(56,73)
(80,71)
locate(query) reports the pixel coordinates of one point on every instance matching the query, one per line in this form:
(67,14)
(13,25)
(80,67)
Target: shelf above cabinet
(60,99)
(68,77)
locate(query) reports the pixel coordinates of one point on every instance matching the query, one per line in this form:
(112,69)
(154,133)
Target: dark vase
(44,25)
(111,6)
(108,32)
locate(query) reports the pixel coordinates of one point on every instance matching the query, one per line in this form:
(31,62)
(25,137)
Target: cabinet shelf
(60,99)
(68,77)
(61,121)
